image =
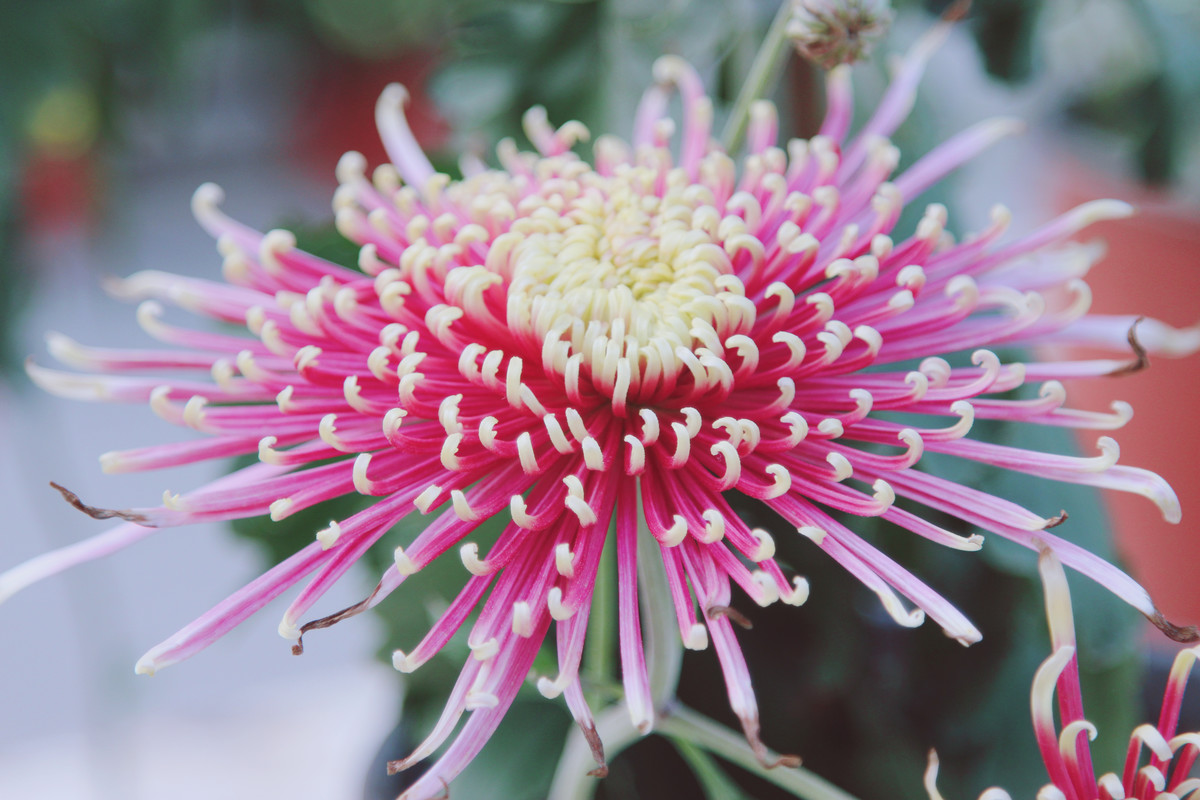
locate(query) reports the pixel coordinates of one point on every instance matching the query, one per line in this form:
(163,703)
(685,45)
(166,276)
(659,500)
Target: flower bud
(832,32)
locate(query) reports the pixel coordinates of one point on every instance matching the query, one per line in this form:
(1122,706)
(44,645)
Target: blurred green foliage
(1150,92)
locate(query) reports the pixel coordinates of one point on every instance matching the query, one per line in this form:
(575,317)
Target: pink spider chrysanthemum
(595,350)
(1158,761)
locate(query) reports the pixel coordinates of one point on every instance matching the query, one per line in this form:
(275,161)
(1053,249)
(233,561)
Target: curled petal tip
(206,201)
(32,369)
(401,662)
(769,760)
(549,688)
(1187,634)
(669,68)
(289,630)
(1101,210)
(1056,520)
(735,616)
(208,194)
(1115,209)
(351,167)
(96,512)
(535,115)
(392,96)
(597,746)
(65,349)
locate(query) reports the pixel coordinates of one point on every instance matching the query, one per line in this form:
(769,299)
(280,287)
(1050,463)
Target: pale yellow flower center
(607,269)
(621,264)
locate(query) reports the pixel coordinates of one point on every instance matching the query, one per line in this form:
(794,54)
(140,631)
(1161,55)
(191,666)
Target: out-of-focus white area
(307,735)
(244,718)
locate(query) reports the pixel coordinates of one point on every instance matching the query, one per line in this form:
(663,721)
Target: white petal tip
(394,95)
(289,630)
(205,200)
(670,68)
(404,565)
(1100,210)
(111,463)
(351,167)
(402,663)
(965,636)
(281,508)
(328,537)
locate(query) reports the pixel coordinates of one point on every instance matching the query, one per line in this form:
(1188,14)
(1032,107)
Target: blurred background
(113,111)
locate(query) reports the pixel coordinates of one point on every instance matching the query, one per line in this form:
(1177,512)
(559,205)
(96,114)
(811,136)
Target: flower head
(1158,759)
(604,349)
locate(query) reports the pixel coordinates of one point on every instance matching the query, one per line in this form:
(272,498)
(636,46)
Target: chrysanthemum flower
(605,349)
(1158,759)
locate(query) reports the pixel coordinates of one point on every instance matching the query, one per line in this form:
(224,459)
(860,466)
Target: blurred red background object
(337,112)
(1153,268)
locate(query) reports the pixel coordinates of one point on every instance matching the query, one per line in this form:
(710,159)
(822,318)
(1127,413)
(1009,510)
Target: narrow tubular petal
(880,573)
(230,612)
(634,675)
(1075,751)
(397,137)
(953,153)
(1181,668)
(509,672)
(1042,708)
(40,567)
(900,96)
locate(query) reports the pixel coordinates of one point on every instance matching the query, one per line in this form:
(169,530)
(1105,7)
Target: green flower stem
(701,731)
(602,626)
(664,648)
(763,73)
(713,780)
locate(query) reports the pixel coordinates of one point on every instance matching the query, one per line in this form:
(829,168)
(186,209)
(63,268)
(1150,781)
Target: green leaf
(715,784)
